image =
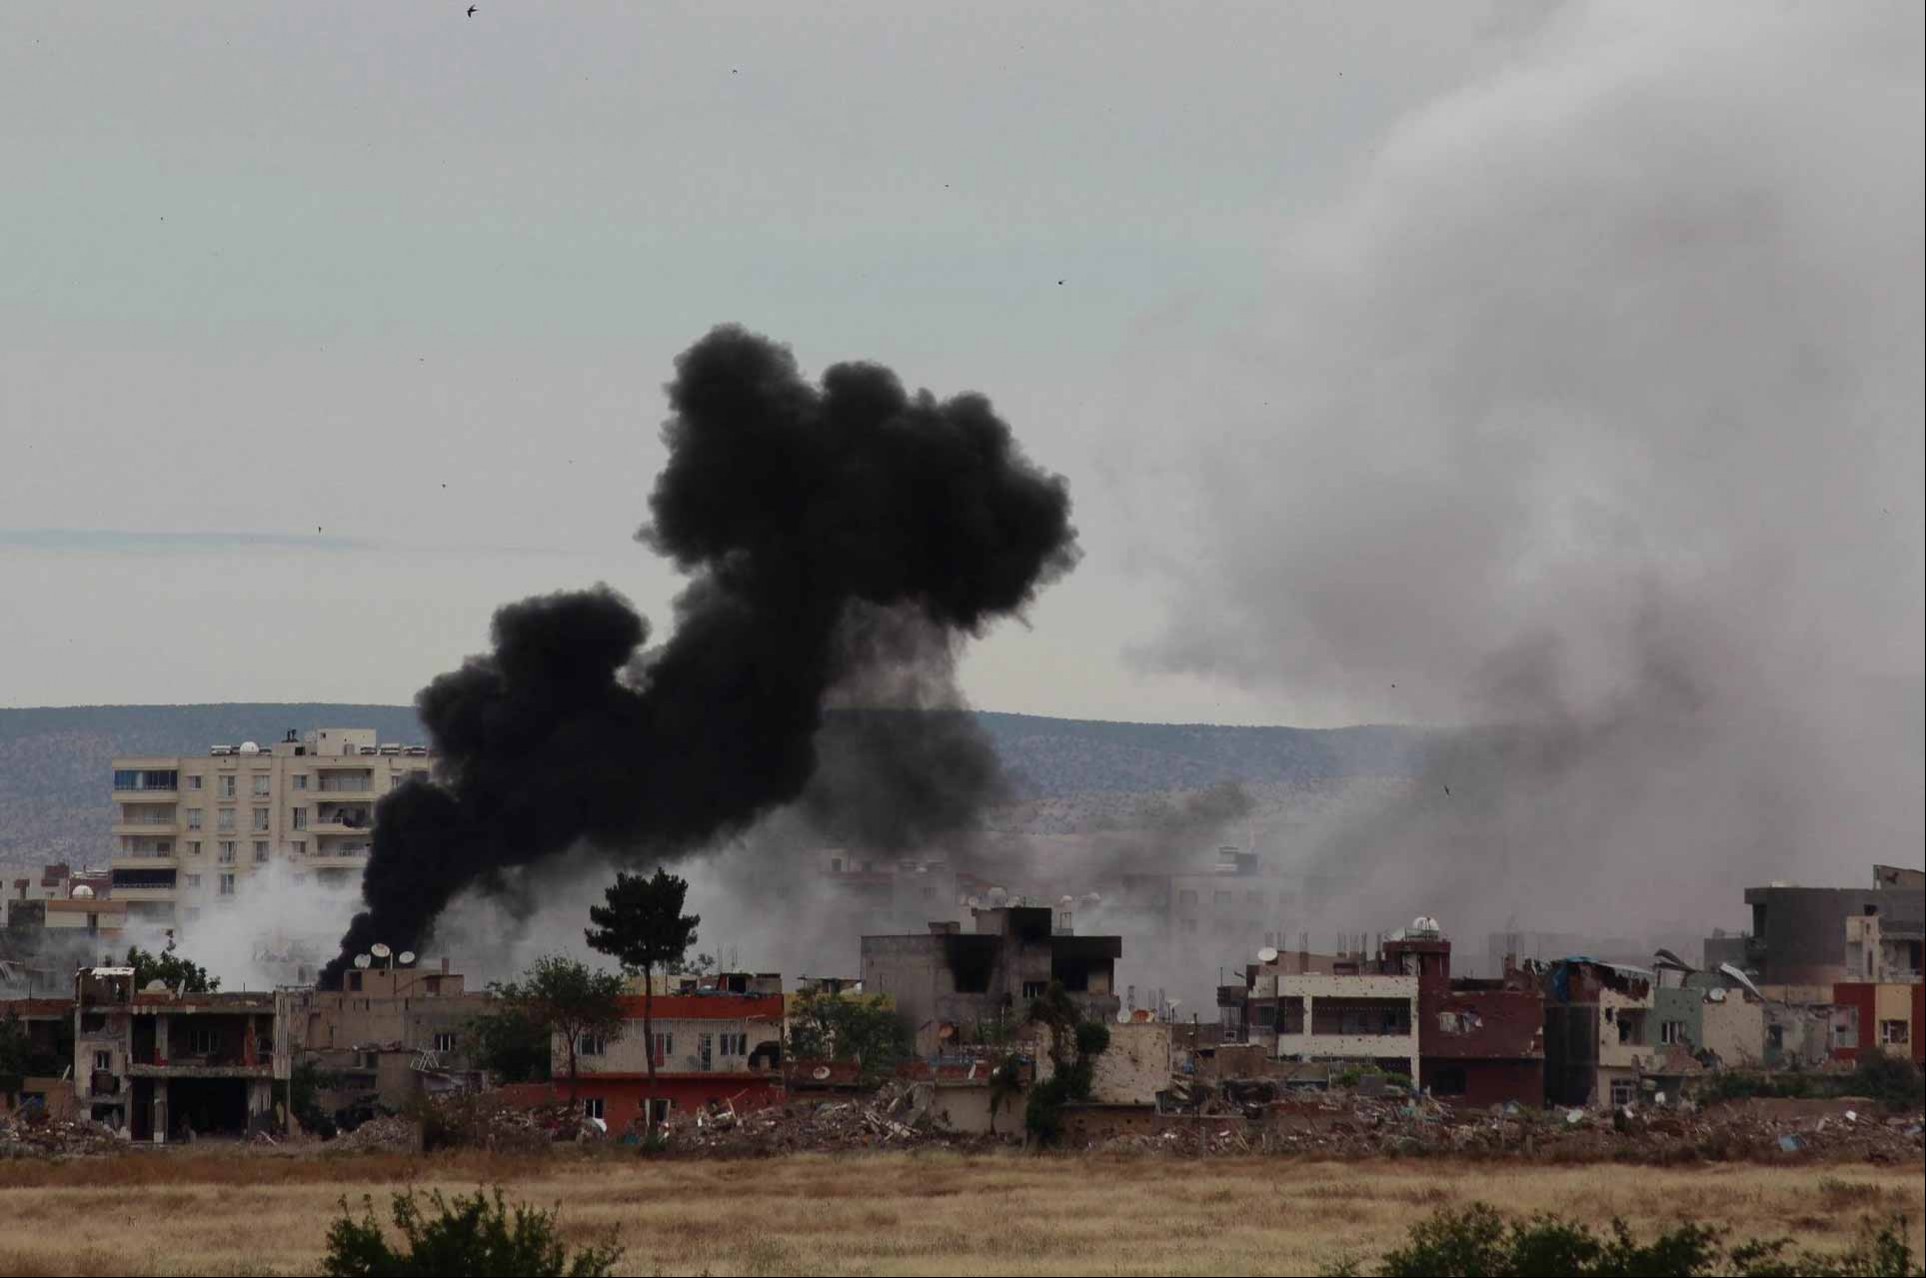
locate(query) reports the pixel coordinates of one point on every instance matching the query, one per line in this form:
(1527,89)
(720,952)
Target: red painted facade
(1863,998)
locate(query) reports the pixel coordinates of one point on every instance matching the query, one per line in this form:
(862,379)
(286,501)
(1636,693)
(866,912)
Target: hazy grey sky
(389,294)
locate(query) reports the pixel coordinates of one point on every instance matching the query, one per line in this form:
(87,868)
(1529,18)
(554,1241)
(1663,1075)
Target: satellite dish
(1267,955)
(820,1073)
(250,747)
(379,950)
(406,957)
(1173,1003)
(83,893)
(1125,1016)
(362,960)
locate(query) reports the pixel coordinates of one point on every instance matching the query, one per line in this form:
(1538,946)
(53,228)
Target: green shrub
(1889,1078)
(1477,1240)
(469,1235)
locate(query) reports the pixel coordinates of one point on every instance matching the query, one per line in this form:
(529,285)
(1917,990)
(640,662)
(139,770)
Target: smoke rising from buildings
(839,537)
(1592,413)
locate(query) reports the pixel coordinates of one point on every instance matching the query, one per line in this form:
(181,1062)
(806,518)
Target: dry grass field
(248,1212)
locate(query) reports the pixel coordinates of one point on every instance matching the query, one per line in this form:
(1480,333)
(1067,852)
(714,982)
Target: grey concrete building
(1799,936)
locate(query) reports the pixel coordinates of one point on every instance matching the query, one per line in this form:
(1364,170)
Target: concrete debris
(387,1135)
(897,1116)
(1350,1125)
(35,1135)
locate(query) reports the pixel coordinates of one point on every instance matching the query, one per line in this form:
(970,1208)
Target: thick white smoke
(1593,410)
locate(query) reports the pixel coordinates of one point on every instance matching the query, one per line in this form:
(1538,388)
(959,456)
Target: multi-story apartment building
(190,830)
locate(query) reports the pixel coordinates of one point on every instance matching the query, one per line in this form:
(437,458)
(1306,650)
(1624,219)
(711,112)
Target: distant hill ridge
(54,802)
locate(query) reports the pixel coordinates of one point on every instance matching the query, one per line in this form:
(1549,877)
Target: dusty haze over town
(1548,375)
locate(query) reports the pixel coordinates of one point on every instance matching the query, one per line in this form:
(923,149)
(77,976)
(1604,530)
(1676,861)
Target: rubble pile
(897,1116)
(1257,1118)
(36,1135)
(389,1134)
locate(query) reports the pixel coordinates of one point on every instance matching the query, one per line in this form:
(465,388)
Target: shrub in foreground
(476,1235)
(1477,1242)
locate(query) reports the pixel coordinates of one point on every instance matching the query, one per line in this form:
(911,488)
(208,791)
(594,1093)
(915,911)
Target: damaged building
(1480,1042)
(955,987)
(717,1044)
(1716,1018)
(1347,1009)
(159,1065)
(1399,1010)
(389,1035)
(1799,935)
(1597,1026)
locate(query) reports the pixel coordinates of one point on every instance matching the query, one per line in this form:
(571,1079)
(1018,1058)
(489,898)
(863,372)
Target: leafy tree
(171,969)
(849,1028)
(470,1235)
(569,998)
(644,929)
(511,1045)
(1075,1045)
(304,1088)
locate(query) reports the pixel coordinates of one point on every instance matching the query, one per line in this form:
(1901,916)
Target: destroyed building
(953,986)
(160,1065)
(390,1034)
(1716,1018)
(1597,1026)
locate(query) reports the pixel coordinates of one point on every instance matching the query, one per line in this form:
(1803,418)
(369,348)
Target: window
(1186,897)
(1894,1032)
(194,780)
(300,818)
(227,852)
(1221,898)
(434,986)
(260,852)
(1187,925)
(1035,989)
(298,847)
(226,822)
(592,1107)
(664,1046)
(300,780)
(260,820)
(227,885)
(1267,1016)
(354,982)
(194,881)
(104,1062)
(193,847)
(1448,1080)
(1672,1031)
(227,787)
(261,783)
(1624,1090)
(1776,1038)
(734,1045)
(591,1045)
(193,818)
(1254,898)
(203,1041)
(445,1041)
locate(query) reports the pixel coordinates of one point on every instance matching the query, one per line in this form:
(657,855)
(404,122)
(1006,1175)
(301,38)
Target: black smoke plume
(836,536)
